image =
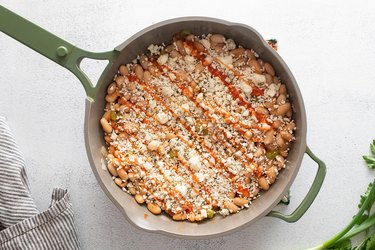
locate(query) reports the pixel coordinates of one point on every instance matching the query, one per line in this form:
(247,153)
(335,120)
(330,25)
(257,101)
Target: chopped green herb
(271,154)
(272,41)
(210,213)
(185,33)
(372,147)
(204,131)
(173,153)
(113,116)
(370,160)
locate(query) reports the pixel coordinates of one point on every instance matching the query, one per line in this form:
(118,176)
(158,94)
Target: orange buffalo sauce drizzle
(143,185)
(236,95)
(195,135)
(190,95)
(232,89)
(201,56)
(184,163)
(171,191)
(235,123)
(224,113)
(255,90)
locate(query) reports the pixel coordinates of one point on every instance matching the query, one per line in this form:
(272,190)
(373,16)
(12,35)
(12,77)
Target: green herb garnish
(173,153)
(210,213)
(370,159)
(185,33)
(271,154)
(113,116)
(361,222)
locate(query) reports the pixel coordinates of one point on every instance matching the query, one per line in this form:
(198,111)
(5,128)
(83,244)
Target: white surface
(329,46)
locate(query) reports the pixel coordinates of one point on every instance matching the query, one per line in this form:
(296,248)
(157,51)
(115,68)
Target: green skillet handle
(53,47)
(311,195)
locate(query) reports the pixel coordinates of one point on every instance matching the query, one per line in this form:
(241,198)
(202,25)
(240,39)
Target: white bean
(261,110)
(240,201)
(283,109)
(143,60)
(138,70)
(272,174)
(111,88)
(124,70)
(112,169)
(111,97)
(139,198)
(217,38)
(106,126)
(263,183)
(281,99)
(198,46)
(282,89)
(231,207)
(268,137)
(120,183)
(280,140)
(286,135)
(132,190)
(119,80)
(269,69)
(122,174)
(256,66)
(179,217)
(154,208)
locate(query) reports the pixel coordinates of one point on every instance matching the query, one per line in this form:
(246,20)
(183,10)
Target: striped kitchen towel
(21,224)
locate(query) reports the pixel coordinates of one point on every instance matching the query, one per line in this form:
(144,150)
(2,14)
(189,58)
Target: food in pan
(197,127)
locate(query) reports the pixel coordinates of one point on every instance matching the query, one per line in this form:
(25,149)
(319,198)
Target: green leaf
(369,159)
(185,33)
(272,41)
(370,244)
(366,196)
(362,219)
(113,115)
(372,147)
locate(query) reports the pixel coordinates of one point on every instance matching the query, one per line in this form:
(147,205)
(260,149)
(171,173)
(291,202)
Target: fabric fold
(16,203)
(51,229)
(21,224)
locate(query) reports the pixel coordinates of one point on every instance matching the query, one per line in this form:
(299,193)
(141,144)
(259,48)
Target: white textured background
(329,46)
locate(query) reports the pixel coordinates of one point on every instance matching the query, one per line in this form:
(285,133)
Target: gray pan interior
(162,32)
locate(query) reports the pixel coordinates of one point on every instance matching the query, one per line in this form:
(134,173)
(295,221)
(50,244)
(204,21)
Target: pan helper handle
(311,194)
(53,47)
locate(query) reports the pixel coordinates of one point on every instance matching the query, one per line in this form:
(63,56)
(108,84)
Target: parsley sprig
(363,221)
(370,159)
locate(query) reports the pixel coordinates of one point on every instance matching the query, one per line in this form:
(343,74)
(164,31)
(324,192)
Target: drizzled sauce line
(146,122)
(171,191)
(195,135)
(224,114)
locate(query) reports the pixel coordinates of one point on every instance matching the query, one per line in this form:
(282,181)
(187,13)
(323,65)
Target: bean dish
(196,128)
